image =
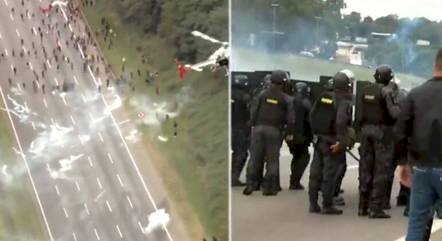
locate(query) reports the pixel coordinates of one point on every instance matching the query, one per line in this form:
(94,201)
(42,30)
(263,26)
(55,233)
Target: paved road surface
(286,217)
(79,145)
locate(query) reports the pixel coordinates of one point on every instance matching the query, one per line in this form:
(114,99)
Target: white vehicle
(220,58)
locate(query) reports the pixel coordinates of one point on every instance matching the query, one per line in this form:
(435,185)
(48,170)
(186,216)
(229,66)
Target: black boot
(338,201)
(314,208)
(248,190)
(270,187)
(296,186)
(331,211)
(363,212)
(378,214)
(237,183)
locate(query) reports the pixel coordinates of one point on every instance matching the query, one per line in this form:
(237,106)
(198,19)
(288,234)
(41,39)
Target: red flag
(182,70)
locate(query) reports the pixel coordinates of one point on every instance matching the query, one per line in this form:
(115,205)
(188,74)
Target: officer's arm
(403,126)
(393,109)
(254,106)
(342,119)
(290,113)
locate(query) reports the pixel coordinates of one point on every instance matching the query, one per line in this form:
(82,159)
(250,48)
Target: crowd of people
(394,129)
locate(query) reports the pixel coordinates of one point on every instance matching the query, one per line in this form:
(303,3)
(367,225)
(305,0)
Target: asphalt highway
(77,142)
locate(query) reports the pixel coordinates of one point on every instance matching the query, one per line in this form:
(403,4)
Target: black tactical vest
(373,107)
(323,114)
(272,109)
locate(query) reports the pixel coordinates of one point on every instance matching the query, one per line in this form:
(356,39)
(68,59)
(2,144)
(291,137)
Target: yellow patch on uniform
(272,101)
(369,97)
(326,100)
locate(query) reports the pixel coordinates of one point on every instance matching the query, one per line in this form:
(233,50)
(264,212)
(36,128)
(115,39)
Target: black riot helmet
(384,74)
(343,81)
(279,77)
(330,85)
(302,88)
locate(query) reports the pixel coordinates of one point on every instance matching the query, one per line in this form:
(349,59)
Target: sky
(430,9)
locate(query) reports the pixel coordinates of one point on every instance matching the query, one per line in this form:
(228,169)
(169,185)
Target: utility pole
(275,5)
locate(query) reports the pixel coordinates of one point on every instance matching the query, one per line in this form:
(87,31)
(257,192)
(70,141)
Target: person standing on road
(420,121)
(271,113)
(331,119)
(377,143)
(302,135)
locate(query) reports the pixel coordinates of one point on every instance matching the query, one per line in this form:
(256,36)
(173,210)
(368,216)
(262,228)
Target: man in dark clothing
(302,135)
(377,143)
(420,122)
(269,116)
(240,130)
(330,119)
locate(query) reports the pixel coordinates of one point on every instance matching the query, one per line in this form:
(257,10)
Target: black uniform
(240,132)
(330,119)
(272,111)
(302,136)
(377,144)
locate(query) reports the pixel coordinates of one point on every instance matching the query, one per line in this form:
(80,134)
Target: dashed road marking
(86,209)
(119,231)
(57,190)
(33,126)
(100,136)
(75,80)
(96,234)
(63,97)
(130,202)
(12,17)
(56,81)
(120,181)
(74,236)
(90,161)
(17,32)
(99,183)
(83,98)
(110,158)
(6,2)
(34,31)
(140,226)
(72,120)
(108,206)
(45,103)
(6,53)
(78,186)
(65,213)
(30,66)
(52,121)
(49,64)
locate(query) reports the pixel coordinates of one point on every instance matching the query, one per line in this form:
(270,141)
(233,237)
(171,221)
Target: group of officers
(282,111)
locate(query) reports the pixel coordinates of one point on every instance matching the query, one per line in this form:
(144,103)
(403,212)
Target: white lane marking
(75,80)
(96,234)
(17,32)
(24,49)
(137,169)
(99,183)
(130,202)
(64,14)
(70,27)
(65,213)
(44,102)
(30,66)
(72,119)
(33,126)
(83,98)
(99,196)
(12,17)
(49,64)
(81,51)
(110,158)
(1,36)
(86,209)
(100,136)
(56,81)
(119,231)
(141,226)
(6,53)
(123,122)
(6,2)
(27,168)
(74,236)
(90,161)
(120,181)
(81,140)
(78,186)
(108,206)
(34,31)
(63,97)
(52,121)
(57,190)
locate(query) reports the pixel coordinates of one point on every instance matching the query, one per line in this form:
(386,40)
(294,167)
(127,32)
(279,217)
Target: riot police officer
(240,117)
(377,143)
(331,119)
(302,135)
(271,112)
